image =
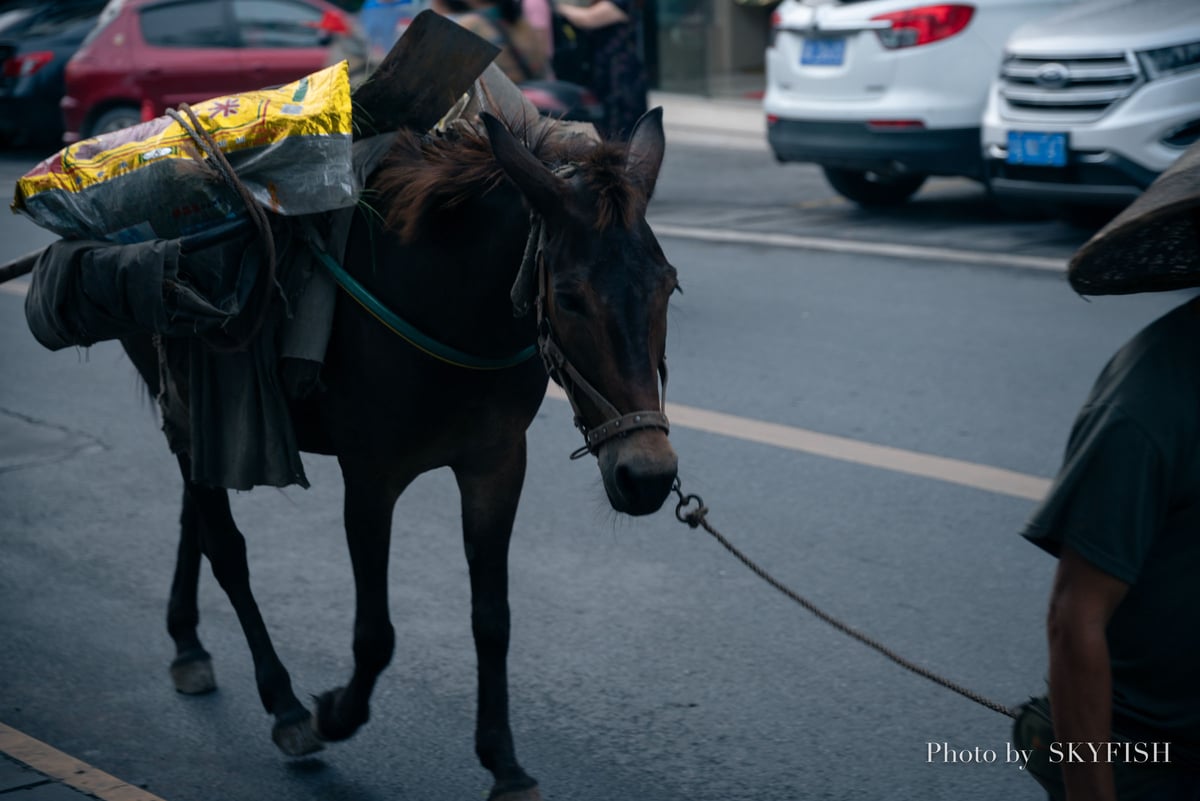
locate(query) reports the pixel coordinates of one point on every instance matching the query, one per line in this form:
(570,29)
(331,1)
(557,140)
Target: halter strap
(407,331)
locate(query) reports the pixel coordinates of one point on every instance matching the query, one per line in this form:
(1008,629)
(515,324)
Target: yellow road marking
(897,460)
(67,769)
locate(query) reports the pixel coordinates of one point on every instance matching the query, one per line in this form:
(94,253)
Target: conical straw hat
(1151,246)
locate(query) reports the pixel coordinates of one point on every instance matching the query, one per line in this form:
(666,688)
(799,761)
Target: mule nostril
(626,482)
(643,487)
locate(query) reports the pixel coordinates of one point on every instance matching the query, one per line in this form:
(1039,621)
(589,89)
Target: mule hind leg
(191,670)
(207,527)
(225,547)
(490,486)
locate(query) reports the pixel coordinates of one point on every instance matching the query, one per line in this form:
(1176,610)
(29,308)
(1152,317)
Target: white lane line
(724,140)
(897,460)
(892,250)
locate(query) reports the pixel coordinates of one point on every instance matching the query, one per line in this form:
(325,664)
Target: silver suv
(1092,104)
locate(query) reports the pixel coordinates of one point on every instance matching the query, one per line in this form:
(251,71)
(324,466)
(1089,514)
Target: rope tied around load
(217,162)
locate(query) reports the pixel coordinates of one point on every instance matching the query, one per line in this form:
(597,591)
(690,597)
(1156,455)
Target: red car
(145,56)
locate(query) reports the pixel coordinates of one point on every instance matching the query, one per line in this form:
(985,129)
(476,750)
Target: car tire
(1089,218)
(115,119)
(1018,209)
(873,189)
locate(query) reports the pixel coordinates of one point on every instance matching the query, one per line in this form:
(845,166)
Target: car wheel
(1019,209)
(115,119)
(1079,215)
(867,188)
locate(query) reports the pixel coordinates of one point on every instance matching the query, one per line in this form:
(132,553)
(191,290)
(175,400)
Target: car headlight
(1170,60)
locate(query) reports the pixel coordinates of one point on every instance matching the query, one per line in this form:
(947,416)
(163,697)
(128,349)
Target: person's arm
(537,12)
(1081,604)
(600,14)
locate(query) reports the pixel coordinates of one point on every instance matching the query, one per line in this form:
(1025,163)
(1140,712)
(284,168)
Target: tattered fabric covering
(87,291)
(1153,245)
(225,409)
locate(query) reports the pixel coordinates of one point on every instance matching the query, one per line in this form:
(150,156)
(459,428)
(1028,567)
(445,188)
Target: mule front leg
(368,516)
(491,487)
(225,548)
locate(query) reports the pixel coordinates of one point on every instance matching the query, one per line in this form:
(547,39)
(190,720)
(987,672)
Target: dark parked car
(145,56)
(36,40)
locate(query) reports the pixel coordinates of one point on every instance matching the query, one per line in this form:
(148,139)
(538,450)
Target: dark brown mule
(459,217)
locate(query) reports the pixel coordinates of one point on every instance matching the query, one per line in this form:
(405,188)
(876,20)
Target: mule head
(602,285)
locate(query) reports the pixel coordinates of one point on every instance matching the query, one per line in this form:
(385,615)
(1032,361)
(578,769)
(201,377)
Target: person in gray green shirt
(1122,720)
(1124,519)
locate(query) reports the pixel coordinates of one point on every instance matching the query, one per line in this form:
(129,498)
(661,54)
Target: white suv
(1092,104)
(883,93)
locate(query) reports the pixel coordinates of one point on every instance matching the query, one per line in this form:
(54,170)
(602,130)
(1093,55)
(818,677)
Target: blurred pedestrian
(618,75)
(1122,720)
(540,16)
(522,49)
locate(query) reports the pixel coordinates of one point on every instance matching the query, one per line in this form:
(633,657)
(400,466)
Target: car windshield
(110,13)
(61,17)
(13,19)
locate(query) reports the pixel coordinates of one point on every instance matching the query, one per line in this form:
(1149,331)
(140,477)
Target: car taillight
(776,21)
(333,22)
(27,63)
(920,26)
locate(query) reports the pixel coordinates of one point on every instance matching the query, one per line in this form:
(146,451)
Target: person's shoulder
(476,23)
(1155,378)
(1166,349)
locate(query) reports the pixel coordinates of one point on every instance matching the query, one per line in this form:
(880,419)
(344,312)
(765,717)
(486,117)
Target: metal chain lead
(697,518)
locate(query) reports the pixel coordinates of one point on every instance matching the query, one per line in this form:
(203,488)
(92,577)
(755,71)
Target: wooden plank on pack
(423,76)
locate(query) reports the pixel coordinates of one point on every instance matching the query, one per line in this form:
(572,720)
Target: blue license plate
(823,52)
(1037,149)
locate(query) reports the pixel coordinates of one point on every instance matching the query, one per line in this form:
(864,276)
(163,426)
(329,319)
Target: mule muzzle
(638,470)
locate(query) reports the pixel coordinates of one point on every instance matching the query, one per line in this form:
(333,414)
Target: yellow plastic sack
(290,146)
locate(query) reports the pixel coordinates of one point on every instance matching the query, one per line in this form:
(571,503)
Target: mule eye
(570,303)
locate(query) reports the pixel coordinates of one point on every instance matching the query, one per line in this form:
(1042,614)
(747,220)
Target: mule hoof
(524,790)
(531,794)
(328,724)
(297,737)
(193,674)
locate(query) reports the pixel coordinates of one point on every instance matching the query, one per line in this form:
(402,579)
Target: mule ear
(544,190)
(644,153)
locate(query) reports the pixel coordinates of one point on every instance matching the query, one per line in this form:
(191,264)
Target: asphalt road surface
(891,406)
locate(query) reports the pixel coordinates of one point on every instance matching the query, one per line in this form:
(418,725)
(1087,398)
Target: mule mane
(423,173)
